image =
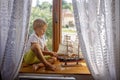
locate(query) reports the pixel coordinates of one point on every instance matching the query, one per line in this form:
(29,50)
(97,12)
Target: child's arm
(49,53)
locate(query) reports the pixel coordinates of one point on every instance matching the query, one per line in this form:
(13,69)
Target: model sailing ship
(69,51)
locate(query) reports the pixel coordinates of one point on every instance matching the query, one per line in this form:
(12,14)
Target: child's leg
(37,66)
(51,60)
(36,49)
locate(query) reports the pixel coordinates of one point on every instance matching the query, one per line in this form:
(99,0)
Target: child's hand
(53,54)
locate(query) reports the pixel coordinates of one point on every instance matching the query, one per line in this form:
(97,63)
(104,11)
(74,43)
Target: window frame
(56,13)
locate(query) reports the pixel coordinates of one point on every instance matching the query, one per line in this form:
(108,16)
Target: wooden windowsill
(78,69)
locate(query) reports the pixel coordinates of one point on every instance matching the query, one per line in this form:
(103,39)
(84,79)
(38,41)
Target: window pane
(68,23)
(69,32)
(42,9)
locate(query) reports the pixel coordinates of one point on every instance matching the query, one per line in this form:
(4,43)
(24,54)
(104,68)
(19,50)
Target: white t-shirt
(35,38)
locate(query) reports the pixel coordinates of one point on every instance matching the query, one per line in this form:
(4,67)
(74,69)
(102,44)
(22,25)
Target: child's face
(41,30)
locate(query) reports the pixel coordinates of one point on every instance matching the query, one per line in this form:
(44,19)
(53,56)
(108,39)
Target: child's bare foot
(37,66)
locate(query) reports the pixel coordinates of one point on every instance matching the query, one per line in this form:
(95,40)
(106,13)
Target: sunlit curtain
(98,27)
(14,19)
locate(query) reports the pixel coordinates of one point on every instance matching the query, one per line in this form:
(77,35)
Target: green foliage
(49,44)
(45,5)
(68,30)
(66,5)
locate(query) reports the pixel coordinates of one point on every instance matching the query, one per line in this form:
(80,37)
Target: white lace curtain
(14,19)
(98,27)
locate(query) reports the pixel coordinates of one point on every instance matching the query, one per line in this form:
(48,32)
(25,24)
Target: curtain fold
(14,20)
(97,23)
(5,16)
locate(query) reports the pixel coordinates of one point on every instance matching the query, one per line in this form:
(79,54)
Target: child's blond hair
(39,23)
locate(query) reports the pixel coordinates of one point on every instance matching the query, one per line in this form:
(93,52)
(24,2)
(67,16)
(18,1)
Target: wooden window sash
(57,7)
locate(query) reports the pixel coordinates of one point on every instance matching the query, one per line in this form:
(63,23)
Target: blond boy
(36,48)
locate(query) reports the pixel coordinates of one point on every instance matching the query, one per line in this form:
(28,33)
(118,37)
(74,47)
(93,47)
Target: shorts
(30,57)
